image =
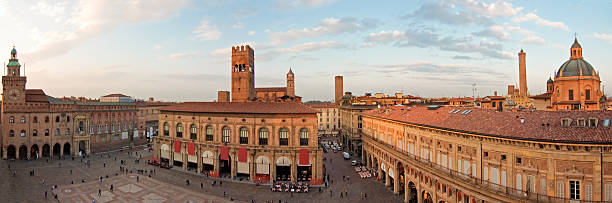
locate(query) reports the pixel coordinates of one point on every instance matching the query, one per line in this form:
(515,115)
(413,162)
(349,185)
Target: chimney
(522,73)
(495,93)
(223,96)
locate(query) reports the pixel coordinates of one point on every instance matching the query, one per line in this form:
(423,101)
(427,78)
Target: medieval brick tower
(290,84)
(243,74)
(13,84)
(338,89)
(522,74)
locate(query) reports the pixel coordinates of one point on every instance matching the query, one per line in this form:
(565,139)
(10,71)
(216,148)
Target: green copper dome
(14,50)
(576,67)
(13,63)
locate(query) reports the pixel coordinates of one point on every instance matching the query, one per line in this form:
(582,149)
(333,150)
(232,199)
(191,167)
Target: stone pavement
(126,188)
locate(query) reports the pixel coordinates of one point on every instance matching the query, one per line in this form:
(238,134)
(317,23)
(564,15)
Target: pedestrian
(330,193)
(112,187)
(45,194)
(70,171)
(340,195)
(201,185)
(220,183)
(365,195)
(99,192)
(137,178)
(343,178)
(224,193)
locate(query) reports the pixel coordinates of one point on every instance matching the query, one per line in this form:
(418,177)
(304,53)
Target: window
(303,137)
(166,129)
(263,136)
(244,135)
(112,127)
(67,131)
(57,120)
(22,133)
(57,132)
(35,132)
(47,132)
(106,128)
(518,160)
(566,122)
(581,122)
(493,104)
(571,94)
(81,126)
(12,119)
(574,189)
(587,94)
(209,133)
(11,133)
(99,128)
(67,118)
(118,127)
(606,122)
(91,129)
(283,136)
(592,122)
(46,119)
(193,132)
(35,120)
(179,130)
(225,134)
(22,119)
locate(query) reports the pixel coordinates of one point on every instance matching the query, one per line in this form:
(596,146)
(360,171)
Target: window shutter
(560,189)
(608,191)
(588,190)
(503,178)
(473,170)
(485,175)
(543,186)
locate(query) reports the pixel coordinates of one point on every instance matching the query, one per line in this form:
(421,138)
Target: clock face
(13,94)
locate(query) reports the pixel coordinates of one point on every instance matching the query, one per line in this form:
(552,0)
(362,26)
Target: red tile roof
(542,96)
(538,125)
(322,105)
(115,95)
(271,89)
(35,95)
(241,107)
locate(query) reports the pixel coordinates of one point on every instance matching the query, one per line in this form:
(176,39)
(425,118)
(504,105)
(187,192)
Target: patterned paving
(128,189)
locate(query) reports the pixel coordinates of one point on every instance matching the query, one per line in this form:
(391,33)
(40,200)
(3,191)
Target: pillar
(406,190)
(379,169)
(184,155)
(294,168)
(419,194)
(363,155)
(199,156)
(171,161)
(216,167)
(252,166)
(396,182)
(387,179)
(234,164)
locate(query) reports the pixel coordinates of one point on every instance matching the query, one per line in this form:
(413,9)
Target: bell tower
(576,50)
(243,74)
(290,84)
(13,84)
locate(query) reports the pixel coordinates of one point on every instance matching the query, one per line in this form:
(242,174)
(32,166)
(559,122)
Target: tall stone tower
(243,74)
(13,84)
(338,89)
(522,73)
(290,84)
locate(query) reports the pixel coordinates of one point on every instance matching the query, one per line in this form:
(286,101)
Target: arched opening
(23,152)
(11,152)
(57,149)
(283,169)
(400,177)
(225,166)
(283,137)
(263,136)
(165,154)
(427,198)
(46,150)
(412,196)
(67,149)
(383,172)
(82,148)
(441,201)
(208,161)
(179,130)
(262,169)
(193,132)
(34,152)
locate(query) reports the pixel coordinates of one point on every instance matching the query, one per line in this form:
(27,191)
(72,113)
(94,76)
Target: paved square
(128,189)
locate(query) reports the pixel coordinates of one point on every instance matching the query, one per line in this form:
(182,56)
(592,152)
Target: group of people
(290,187)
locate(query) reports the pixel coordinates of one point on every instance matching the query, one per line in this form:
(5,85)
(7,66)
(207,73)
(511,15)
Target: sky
(180,50)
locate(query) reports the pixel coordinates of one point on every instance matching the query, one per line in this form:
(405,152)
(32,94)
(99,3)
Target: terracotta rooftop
(271,89)
(241,107)
(115,95)
(537,126)
(35,95)
(155,103)
(542,96)
(322,105)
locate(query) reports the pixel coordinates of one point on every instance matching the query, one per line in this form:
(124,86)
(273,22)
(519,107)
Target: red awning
(242,154)
(304,157)
(224,153)
(177,146)
(191,148)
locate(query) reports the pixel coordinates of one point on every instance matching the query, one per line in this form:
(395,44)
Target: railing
(485,184)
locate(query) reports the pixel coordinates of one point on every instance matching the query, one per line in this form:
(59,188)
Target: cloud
(56,11)
(426,38)
(96,17)
(221,52)
(463,57)
(531,17)
(245,12)
(499,8)
(495,31)
(302,3)
(251,33)
(533,40)
(328,26)
(463,12)
(206,31)
(451,74)
(604,36)
(238,25)
(181,55)
(301,48)
(157,46)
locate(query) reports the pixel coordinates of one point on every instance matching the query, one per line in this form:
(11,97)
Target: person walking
(99,192)
(340,195)
(330,193)
(112,187)
(45,194)
(201,185)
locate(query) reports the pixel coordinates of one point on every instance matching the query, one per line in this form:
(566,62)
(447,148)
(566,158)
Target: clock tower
(13,84)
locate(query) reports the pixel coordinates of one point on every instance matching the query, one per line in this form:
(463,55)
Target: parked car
(354,163)
(165,165)
(346,155)
(335,150)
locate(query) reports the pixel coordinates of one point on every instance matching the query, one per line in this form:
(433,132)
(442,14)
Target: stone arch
(401,176)
(34,151)
(56,149)
(23,152)
(165,151)
(426,196)
(262,165)
(67,149)
(412,192)
(11,152)
(46,150)
(283,161)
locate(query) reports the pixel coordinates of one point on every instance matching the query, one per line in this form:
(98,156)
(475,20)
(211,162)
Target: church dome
(576,67)
(549,80)
(576,44)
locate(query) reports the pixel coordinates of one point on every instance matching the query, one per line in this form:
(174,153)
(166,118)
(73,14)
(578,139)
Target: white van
(346,155)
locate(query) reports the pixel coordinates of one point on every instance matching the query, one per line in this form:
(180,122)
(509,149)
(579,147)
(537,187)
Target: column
(199,156)
(294,168)
(379,169)
(252,167)
(273,167)
(387,179)
(419,194)
(171,160)
(216,167)
(184,155)
(234,164)
(406,190)
(396,182)
(363,154)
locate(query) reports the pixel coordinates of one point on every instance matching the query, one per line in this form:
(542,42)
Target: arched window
(244,135)
(57,132)
(112,127)
(81,126)
(225,134)
(67,118)
(263,136)
(11,133)
(179,130)
(35,120)
(46,119)
(99,128)
(91,129)
(22,133)
(67,131)
(47,132)
(22,119)
(193,132)
(166,129)
(34,132)
(283,137)
(303,137)
(12,119)
(209,133)
(118,127)
(57,119)
(106,128)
